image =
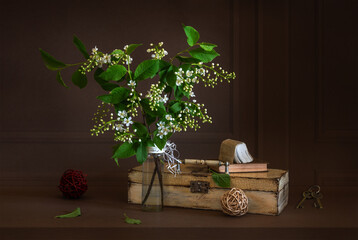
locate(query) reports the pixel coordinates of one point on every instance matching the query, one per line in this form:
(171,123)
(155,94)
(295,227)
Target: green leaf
(119,94)
(192,35)
(150,119)
(107,86)
(132,47)
(146,107)
(187,59)
(117,51)
(131,220)
(168,89)
(114,73)
(59,79)
(79,79)
(115,147)
(116,96)
(163,64)
(80,46)
(121,106)
(171,77)
(146,69)
(75,213)
(163,77)
(161,110)
(222,180)
(176,107)
(125,150)
(142,130)
(178,93)
(207,46)
(202,55)
(50,62)
(142,152)
(160,142)
(105,98)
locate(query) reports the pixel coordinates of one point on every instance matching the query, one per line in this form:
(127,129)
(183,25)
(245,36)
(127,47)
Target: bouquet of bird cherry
(140,120)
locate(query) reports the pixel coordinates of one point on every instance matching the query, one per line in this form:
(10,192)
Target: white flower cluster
(158,52)
(190,113)
(188,78)
(155,96)
(99,59)
(219,75)
(123,116)
(122,127)
(167,126)
(134,99)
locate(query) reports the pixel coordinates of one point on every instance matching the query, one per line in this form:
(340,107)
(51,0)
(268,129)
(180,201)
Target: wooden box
(267,191)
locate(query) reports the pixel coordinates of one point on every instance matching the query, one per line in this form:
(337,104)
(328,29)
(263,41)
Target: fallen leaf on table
(75,213)
(222,180)
(131,220)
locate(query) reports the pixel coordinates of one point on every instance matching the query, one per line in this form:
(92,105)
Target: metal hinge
(199,186)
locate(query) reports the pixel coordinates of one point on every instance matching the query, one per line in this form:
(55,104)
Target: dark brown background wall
(294,103)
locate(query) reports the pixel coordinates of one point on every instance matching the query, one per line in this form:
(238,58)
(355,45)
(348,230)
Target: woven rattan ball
(235,202)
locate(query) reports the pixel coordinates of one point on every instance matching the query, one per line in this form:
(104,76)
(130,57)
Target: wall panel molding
(323,133)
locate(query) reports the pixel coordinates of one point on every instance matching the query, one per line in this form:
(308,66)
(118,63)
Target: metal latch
(199,186)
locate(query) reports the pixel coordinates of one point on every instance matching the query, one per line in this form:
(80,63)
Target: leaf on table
(131,220)
(75,213)
(222,180)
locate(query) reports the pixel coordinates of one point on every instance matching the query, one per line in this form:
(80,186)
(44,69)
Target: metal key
(306,195)
(317,196)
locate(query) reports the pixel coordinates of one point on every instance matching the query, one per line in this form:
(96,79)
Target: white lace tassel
(169,152)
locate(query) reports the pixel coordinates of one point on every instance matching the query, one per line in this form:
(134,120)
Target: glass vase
(152,181)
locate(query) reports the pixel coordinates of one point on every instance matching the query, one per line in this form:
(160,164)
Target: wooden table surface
(27,212)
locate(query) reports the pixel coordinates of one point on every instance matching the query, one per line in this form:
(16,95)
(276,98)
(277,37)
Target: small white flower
(179,81)
(168,117)
(164,99)
(161,134)
(165,131)
(125,47)
(165,52)
(106,58)
(192,94)
(160,125)
(129,60)
(122,114)
(119,127)
(153,56)
(127,121)
(189,73)
(194,101)
(94,50)
(132,83)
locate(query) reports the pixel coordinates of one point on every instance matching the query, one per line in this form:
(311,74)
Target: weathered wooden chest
(194,188)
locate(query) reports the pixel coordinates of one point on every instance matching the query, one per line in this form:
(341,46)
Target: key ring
(318,188)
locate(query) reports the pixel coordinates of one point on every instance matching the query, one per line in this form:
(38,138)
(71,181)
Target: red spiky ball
(73,183)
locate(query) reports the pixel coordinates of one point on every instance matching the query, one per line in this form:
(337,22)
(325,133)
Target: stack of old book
(267,189)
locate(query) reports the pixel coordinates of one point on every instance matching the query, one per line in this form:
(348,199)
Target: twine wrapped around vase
(235,202)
